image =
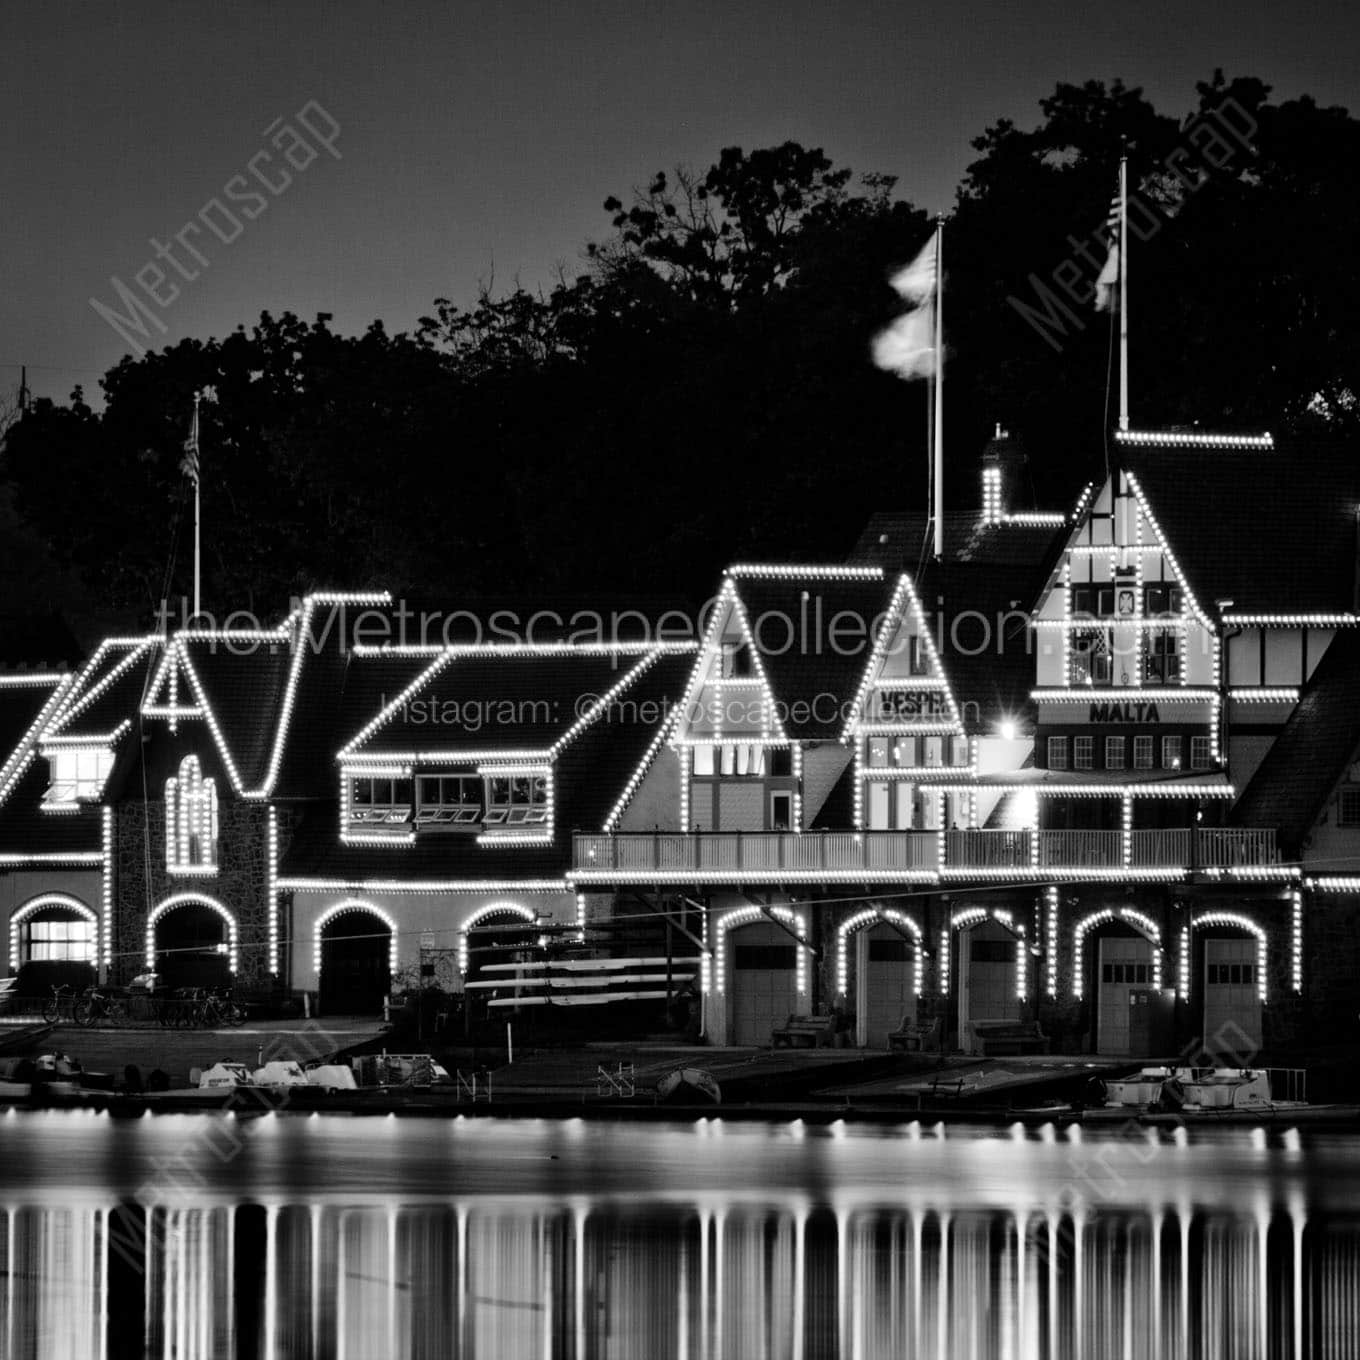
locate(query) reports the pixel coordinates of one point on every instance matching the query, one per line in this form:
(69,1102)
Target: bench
(810,1031)
(913,1036)
(992,1038)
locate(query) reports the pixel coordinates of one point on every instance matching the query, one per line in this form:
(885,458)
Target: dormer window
(517,800)
(450,800)
(380,802)
(190,821)
(78,776)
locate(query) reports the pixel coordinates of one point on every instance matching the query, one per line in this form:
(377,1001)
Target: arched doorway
(354,957)
(888,972)
(1117,962)
(989,968)
(492,939)
(191,942)
(1230,970)
(762,972)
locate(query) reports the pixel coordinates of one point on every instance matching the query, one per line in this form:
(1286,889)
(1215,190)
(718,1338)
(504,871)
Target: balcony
(809,856)
(1212,848)
(913,856)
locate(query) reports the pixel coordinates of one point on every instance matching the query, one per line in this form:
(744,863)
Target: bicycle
(61,1005)
(217,1008)
(96,1008)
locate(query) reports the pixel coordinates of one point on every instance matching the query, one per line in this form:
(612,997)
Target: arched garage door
(1231,987)
(356,951)
(762,989)
(885,965)
(987,955)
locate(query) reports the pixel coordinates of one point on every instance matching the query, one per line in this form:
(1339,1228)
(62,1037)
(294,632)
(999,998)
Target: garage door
(762,989)
(1125,963)
(987,952)
(1232,1004)
(886,969)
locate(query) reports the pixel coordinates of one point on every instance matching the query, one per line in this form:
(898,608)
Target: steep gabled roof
(814,633)
(26,703)
(108,692)
(1274,530)
(27,831)
(1294,781)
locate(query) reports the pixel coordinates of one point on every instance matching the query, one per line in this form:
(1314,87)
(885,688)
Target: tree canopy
(700,389)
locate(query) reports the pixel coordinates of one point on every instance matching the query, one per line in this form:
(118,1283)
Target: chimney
(1003,476)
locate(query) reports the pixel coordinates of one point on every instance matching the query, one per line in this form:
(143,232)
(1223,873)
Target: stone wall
(141,882)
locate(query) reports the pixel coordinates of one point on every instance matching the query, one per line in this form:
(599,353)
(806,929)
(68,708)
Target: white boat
(332,1077)
(280,1073)
(1200,1090)
(222,1074)
(1139,1091)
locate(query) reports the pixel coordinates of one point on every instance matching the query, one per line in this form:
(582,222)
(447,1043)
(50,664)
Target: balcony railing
(848,853)
(777,853)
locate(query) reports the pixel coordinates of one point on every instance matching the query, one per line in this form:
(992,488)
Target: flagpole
(939,387)
(198,478)
(1123,292)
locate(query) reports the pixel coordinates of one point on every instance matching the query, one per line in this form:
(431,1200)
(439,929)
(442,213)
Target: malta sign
(1124,713)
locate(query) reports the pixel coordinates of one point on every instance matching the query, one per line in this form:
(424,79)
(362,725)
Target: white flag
(907,347)
(1108,280)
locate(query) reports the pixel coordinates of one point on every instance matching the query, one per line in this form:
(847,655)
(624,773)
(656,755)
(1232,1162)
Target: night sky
(483,137)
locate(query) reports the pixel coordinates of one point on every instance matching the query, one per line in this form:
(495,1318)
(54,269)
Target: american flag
(189,463)
(1106,300)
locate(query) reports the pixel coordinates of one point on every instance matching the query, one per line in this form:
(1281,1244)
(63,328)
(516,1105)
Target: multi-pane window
(1162,600)
(1230,974)
(58,941)
(78,775)
(1171,753)
(517,800)
(737,663)
(1199,753)
(380,802)
(1091,657)
(449,800)
(1348,805)
(1083,753)
(1142,753)
(1163,658)
(1114,753)
(1057,753)
(1136,973)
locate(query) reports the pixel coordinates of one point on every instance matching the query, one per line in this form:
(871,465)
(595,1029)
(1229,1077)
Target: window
(1142,753)
(916,655)
(517,800)
(60,941)
(736,661)
(1083,753)
(1163,657)
(781,761)
(781,812)
(1162,600)
(1199,753)
(1348,805)
(77,775)
(1114,753)
(1230,974)
(904,752)
(449,800)
(741,760)
(1057,753)
(703,760)
(380,802)
(190,821)
(1091,662)
(1171,753)
(1093,601)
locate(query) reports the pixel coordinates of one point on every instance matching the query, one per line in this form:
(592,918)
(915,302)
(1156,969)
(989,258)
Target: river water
(377,1238)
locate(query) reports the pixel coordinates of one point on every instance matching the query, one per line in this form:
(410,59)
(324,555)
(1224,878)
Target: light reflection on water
(376,1238)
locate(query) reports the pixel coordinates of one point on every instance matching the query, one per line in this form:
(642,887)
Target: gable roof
(26,702)
(1292,784)
(815,633)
